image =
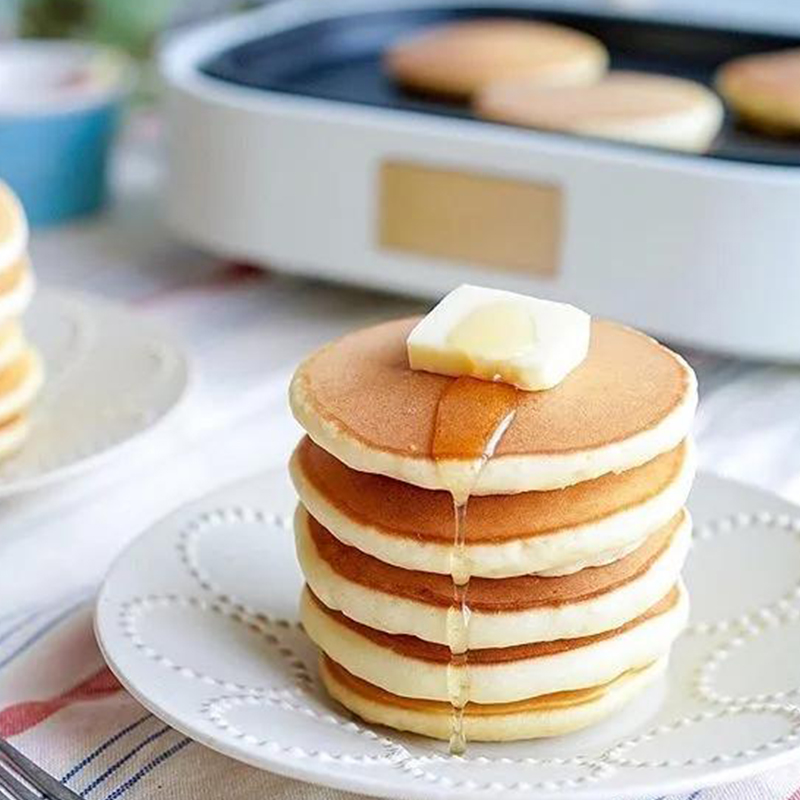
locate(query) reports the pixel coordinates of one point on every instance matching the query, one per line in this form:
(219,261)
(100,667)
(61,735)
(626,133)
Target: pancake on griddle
(764,90)
(638,107)
(456,59)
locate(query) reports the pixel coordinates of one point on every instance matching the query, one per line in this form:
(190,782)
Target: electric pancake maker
(291,147)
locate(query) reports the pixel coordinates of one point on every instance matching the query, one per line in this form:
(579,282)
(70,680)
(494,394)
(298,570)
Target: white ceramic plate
(198,620)
(110,378)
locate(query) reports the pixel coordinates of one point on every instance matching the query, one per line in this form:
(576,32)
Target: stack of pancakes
(574,535)
(21,372)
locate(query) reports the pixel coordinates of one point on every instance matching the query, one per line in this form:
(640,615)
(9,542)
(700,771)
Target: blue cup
(60,103)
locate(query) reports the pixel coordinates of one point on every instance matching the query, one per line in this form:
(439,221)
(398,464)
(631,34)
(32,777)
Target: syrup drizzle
(471,418)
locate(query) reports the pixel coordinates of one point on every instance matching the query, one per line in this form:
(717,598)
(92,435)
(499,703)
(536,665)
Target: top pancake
(630,400)
(459,58)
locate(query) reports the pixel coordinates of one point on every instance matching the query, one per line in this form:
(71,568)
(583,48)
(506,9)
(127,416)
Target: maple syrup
(471,417)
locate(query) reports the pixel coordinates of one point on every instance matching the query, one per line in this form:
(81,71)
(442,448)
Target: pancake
(764,89)
(550,532)
(16,290)
(13,229)
(411,667)
(502,612)
(643,108)
(20,383)
(458,58)
(629,401)
(13,434)
(12,343)
(547,715)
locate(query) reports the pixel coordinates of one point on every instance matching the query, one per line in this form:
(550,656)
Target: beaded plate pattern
(109,378)
(198,619)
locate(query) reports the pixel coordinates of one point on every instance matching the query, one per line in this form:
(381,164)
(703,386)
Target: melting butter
(500,336)
(495,331)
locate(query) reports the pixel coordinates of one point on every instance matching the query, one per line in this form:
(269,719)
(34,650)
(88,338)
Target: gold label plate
(505,223)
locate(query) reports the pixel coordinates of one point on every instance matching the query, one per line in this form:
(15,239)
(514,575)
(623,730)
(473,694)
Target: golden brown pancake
(566,699)
(458,58)
(402,510)
(503,612)
(551,714)
(487,595)
(413,667)
(412,647)
(628,401)
(764,89)
(363,385)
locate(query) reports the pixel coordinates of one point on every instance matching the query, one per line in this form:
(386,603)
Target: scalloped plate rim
(357,778)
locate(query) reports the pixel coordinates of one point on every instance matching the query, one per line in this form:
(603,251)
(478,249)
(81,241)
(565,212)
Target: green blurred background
(129,24)
(132,25)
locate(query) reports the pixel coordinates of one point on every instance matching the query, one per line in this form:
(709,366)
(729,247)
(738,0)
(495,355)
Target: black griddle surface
(339,59)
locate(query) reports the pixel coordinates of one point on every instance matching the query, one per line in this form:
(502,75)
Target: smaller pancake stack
(575,534)
(21,371)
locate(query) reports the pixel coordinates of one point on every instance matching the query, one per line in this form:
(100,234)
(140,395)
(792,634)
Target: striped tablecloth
(245,331)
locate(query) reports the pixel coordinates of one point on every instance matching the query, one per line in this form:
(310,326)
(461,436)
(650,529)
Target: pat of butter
(500,336)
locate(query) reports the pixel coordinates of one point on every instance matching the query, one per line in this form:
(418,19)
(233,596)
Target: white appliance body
(701,251)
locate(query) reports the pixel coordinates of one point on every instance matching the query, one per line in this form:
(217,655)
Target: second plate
(110,378)
(198,620)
